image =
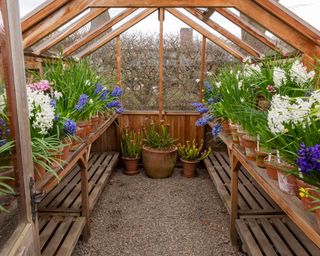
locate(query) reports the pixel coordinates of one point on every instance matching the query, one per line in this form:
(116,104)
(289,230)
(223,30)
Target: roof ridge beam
(244,25)
(110,36)
(98,31)
(206,33)
(40,13)
(69,30)
(244,45)
(54,21)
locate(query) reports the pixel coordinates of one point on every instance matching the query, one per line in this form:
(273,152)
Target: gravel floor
(139,216)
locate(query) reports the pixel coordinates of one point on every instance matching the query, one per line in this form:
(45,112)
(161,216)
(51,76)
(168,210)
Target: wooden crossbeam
(206,33)
(110,36)
(243,24)
(69,30)
(98,31)
(279,28)
(208,13)
(291,19)
(244,45)
(41,12)
(164,3)
(54,22)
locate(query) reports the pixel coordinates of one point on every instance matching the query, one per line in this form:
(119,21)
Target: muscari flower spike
(70,127)
(82,102)
(216,130)
(114,104)
(309,159)
(98,89)
(117,91)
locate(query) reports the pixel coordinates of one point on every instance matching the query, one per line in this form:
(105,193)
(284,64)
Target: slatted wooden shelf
(252,199)
(66,197)
(291,205)
(48,181)
(59,235)
(274,236)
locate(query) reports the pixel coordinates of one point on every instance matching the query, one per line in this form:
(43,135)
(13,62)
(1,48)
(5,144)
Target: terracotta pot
(234,133)
(159,163)
(318,217)
(250,144)
(81,132)
(241,134)
(39,171)
(226,128)
(260,156)
(95,121)
(308,202)
(287,182)
(131,165)
(271,167)
(263,104)
(65,152)
(86,127)
(189,168)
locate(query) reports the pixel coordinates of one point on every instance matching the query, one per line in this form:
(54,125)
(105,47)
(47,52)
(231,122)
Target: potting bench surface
(291,205)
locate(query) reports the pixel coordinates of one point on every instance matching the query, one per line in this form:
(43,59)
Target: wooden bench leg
(85,212)
(235,166)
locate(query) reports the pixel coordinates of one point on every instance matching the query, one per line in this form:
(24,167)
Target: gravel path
(139,216)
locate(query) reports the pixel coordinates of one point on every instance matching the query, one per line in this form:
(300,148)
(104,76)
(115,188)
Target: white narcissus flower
(300,74)
(250,70)
(218,84)
(247,60)
(198,80)
(240,83)
(57,95)
(91,101)
(40,111)
(279,77)
(209,73)
(3,100)
(87,82)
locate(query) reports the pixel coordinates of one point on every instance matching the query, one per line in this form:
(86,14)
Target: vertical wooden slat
(161,19)
(203,67)
(119,59)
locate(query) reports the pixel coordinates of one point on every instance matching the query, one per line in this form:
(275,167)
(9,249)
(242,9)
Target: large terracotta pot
(159,163)
(131,165)
(189,168)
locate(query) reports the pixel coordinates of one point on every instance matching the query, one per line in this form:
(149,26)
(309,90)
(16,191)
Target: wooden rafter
(164,3)
(206,33)
(243,24)
(98,31)
(279,28)
(54,22)
(110,36)
(245,46)
(41,12)
(291,19)
(69,30)
(208,13)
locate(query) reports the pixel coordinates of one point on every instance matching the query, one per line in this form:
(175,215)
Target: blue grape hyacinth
(117,91)
(70,127)
(82,102)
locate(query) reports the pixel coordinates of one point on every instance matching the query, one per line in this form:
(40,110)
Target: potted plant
(131,144)
(159,154)
(191,154)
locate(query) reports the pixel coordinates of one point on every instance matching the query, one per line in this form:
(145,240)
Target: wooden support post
(119,59)
(161,19)
(203,67)
(85,208)
(235,165)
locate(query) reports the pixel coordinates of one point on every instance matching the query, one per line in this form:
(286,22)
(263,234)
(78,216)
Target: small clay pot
(226,128)
(95,121)
(287,182)
(234,133)
(39,171)
(260,156)
(66,151)
(131,165)
(250,144)
(189,168)
(81,132)
(271,167)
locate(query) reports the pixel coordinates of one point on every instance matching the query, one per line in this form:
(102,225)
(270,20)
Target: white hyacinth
(250,70)
(57,95)
(240,83)
(279,77)
(3,101)
(40,111)
(285,111)
(300,74)
(218,84)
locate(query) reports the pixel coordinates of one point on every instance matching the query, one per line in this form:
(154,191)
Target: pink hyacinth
(270,88)
(42,86)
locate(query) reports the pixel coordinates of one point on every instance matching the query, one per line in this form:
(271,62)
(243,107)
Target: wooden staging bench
(268,221)
(64,213)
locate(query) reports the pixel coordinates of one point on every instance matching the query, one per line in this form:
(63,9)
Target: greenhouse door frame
(25,238)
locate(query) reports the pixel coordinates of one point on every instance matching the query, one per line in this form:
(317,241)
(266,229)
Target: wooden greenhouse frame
(19,50)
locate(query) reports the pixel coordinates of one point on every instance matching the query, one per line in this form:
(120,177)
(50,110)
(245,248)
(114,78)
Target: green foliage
(131,144)
(44,153)
(158,137)
(193,151)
